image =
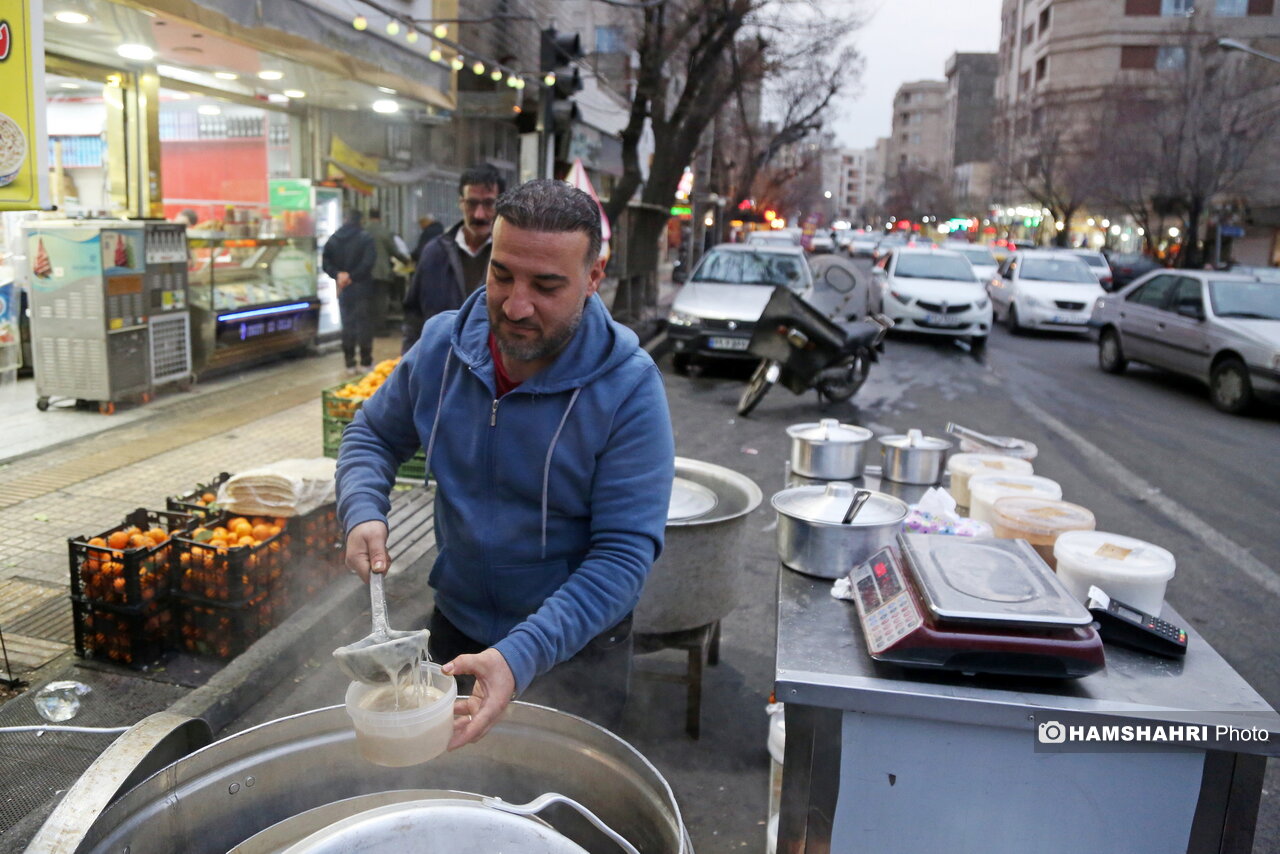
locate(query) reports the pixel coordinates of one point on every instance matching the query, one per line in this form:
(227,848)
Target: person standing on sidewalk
(546,429)
(431,229)
(453,265)
(349,256)
(384,285)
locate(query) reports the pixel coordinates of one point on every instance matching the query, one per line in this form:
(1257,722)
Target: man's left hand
(495,685)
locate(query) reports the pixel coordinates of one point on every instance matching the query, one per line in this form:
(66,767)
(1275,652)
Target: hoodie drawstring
(546,468)
(444,379)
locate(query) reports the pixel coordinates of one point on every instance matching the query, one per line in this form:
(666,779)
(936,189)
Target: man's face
(477,209)
(538,285)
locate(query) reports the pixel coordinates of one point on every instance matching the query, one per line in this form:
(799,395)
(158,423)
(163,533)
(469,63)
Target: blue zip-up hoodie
(552,500)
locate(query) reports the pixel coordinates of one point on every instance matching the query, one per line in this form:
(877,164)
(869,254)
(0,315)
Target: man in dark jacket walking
(349,256)
(453,265)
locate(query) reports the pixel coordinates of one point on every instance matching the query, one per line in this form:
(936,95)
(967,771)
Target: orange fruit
(243,529)
(158,535)
(235,520)
(220,532)
(139,541)
(118,539)
(246,541)
(262,531)
(98,541)
(208,498)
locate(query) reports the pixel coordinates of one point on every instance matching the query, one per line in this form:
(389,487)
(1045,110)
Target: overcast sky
(908,40)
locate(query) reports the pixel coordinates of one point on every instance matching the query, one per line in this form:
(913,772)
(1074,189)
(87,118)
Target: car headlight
(980,304)
(902,298)
(1036,302)
(680,318)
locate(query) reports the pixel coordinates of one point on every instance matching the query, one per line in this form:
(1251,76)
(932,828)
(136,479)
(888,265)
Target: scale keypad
(890,623)
(887,611)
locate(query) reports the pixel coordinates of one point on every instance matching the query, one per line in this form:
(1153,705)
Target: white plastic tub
(397,739)
(1133,571)
(985,489)
(964,466)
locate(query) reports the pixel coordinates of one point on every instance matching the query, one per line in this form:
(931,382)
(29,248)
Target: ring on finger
(470,718)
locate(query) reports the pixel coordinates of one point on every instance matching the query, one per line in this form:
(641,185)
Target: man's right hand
(343,280)
(367,549)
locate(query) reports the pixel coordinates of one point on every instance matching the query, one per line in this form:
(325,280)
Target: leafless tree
(694,55)
(913,192)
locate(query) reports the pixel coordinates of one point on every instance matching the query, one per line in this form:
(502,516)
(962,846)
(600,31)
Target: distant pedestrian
(430,230)
(384,278)
(454,264)
(349,256)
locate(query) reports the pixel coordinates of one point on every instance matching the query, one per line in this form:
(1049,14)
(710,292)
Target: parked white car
(1097,263)
(716,310)
(980,257)
(932,291)
(1045,289)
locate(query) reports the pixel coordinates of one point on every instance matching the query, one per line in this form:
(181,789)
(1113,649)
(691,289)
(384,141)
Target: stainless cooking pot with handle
(813,537)
(828,449)
(913,458)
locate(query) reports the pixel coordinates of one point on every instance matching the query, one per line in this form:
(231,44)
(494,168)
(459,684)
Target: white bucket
(409,736)
(985,489)
(964,466)
(1132,571)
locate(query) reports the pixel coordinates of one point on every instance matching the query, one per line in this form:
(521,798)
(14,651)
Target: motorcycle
(801,348)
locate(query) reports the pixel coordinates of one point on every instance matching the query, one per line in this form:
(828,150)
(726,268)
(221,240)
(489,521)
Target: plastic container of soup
(964,466)
(1039,521)
(985,490)
(419,730)
(1132,571)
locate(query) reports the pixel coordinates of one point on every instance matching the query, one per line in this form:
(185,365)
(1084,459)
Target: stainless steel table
(884,759)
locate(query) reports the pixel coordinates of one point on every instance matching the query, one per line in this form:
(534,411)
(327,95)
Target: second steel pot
(913,458)
(828,450)
(813,540)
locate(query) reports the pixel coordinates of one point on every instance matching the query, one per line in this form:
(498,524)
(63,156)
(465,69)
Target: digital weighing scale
(974,605)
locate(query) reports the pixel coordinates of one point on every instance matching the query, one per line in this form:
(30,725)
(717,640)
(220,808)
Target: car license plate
(942,320)
(719,343)
(1068,319)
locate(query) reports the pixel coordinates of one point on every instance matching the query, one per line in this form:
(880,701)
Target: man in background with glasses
(453,265)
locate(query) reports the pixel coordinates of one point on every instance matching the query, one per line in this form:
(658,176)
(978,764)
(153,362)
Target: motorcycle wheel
(842,382)
(757,387)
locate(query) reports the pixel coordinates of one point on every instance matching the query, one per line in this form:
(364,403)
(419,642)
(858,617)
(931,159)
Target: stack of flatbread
(284,488)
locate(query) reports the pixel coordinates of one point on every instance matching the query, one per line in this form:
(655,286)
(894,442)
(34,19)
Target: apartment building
(967,125)
(918,138)
(844,175)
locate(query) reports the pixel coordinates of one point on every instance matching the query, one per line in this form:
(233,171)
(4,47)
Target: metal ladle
(385,652)
(982,438)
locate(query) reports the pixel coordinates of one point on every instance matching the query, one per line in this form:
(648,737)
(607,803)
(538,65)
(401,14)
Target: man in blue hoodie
(546,428)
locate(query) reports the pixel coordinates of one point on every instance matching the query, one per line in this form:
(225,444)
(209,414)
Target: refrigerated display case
(328,218)
(251,298)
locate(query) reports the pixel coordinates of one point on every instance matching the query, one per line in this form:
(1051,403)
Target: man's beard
(549,343)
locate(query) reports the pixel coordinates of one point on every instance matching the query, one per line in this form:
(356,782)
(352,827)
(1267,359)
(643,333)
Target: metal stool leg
(713,650)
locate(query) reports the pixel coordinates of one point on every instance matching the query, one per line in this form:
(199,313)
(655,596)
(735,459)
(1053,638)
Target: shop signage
(24,143)
(289,194)
(8,321)
(347,163)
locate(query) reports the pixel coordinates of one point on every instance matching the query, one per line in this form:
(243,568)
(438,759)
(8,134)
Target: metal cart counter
(884,759)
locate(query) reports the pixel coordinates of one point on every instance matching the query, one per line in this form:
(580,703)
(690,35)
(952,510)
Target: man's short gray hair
(545,204)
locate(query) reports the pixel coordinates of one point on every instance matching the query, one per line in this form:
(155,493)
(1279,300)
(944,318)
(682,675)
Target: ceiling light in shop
(386,105)
(140,52)
(360,22)
(294,93)
(393,27)
(209,110)
(495,75)
(519,82)
(179,96)
(169,71)
(441,31)
(386,90)
(277,98)
(549,79)
(478,67)
(511,81)
(270,75)
(457,63)
(69,85)
(435,55)
(71,17)
(226,75)
(411,37)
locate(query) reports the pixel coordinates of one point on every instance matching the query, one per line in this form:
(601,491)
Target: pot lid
(829,430)
(978,464)
(1115,554)
(915,439)
(689,500)
(828,504)
(1042,516)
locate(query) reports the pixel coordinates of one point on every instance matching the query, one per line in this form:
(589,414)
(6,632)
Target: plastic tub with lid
(964,466)
(1131,570)
(407,736)
(985,489)
(1039,521)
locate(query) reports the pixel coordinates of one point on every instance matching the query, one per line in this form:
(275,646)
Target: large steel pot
(813,539)
(913,458)
(218,797)
(828,449)
(699,578)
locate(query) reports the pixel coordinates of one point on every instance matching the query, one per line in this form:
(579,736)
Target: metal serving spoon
(385,652)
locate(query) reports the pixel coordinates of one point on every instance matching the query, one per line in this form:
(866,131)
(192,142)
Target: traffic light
(560,78)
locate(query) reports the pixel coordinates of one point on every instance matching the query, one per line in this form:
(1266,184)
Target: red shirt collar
(501,380)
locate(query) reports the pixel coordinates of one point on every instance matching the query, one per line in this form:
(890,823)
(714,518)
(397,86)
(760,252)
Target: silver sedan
(1220,328)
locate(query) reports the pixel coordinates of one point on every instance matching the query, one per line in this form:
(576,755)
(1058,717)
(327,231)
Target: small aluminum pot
(913,458)
(812,537)
(828,450)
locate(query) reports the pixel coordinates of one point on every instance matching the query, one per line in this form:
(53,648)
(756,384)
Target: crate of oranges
(200,502)
(343,401)
(134,636)
(225,631)
(315,544)
(231,559)
(129,564)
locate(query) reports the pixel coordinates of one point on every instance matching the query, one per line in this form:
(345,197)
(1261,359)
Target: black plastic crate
(315,547)
(225,631)
(210,567)
(193,501)
(133,636)
(113,570)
